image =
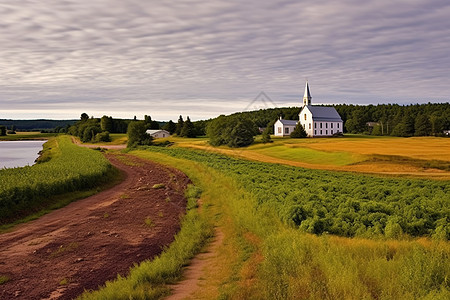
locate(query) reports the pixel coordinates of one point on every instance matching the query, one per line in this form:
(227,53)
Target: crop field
(64,168)
(424,157)
(375,238)
(338,203)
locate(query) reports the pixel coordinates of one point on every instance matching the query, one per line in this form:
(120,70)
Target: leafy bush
(299,131)
(231,131)
(137,134)
(103,137)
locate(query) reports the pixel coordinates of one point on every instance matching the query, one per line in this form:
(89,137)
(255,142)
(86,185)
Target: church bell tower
(307,96)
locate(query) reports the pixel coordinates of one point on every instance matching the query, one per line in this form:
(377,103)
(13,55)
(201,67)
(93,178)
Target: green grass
(158,186)
(4,279)
(338,203)
(298,265)
(263,257)
(68,168)
(310,156)
(27,136)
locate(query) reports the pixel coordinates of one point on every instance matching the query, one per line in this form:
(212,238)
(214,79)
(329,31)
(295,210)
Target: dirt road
(92,240)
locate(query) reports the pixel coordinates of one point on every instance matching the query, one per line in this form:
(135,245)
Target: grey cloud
(159,55)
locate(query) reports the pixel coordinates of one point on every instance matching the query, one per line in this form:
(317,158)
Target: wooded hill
(36,125)
(383,119)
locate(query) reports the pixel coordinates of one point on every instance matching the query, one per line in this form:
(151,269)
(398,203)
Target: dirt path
(193,273)
(90,241)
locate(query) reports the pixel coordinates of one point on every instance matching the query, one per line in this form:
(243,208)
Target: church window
(309,125)
(326,125)
(305,117)
(326,132)
(279,129)
(331,131)
(321,125)
(315,131)
(332,126)
(321,132)
(338,125)
(315,125)
(286,130)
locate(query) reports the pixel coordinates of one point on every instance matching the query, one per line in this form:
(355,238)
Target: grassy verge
(59,201)
(64,168)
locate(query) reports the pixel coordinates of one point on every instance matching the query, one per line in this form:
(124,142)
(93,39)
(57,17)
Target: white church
(318,121)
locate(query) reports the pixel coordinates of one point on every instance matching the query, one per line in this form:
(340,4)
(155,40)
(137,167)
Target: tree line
(382,119)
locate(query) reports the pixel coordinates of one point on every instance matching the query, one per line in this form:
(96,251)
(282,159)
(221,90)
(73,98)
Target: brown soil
(92,240)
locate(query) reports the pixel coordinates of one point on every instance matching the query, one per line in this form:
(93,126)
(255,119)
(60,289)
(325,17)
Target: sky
(197,58)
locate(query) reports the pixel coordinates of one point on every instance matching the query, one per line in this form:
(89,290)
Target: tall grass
(262,257)
(68,168)
(269,259)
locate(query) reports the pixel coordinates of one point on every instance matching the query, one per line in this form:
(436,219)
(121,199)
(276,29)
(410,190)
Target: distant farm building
(317,121)
(158,133)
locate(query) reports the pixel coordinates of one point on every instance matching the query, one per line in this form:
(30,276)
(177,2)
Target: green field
(309,156)
(268,253)
(27,136)
(63,168)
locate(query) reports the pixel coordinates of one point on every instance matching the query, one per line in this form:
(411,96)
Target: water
(19,153)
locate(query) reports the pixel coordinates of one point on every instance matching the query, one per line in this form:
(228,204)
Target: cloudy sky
(60,58)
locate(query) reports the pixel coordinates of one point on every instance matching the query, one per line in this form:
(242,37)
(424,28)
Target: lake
(19,153)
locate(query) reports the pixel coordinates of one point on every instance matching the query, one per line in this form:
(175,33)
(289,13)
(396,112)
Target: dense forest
(37,125)
(382,119)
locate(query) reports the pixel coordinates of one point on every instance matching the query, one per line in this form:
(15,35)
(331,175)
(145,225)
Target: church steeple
(307,96)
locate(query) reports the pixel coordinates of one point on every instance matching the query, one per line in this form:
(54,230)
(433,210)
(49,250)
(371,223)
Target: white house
(317,120)
(158,133)
(284,127)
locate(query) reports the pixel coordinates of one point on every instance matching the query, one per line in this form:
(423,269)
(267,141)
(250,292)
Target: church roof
(288,122)
(307,93)
(324,113)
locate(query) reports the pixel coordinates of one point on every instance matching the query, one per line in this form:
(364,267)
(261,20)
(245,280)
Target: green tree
(234,131)
(106,123)
(180,124)
(422,126)
(188,129)
(84,117)
(299,132)
(137,134)
(266,136)
(170,127)
(405,127)
(242,134)
(151,124)
(89,133)
(217,131)
(2,130)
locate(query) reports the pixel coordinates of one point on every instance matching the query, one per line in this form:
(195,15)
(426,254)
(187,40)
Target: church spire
(307,96)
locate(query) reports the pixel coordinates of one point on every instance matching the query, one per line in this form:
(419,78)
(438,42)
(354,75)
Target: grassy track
(264,258)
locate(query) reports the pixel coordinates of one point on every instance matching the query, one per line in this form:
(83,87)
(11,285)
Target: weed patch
(4,279)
